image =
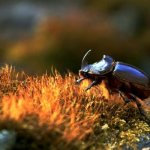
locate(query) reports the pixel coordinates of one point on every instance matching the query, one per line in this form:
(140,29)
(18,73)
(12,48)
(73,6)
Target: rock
(7,139)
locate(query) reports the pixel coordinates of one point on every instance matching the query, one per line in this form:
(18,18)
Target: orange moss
(57,102)
(54,111)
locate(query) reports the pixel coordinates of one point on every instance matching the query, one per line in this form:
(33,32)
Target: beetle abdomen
(131,74)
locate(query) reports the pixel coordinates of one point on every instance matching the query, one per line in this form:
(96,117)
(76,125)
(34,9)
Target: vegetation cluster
(51,112)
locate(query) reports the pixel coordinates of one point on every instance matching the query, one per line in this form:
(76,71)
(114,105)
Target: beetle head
(85,71)
(96,71)
(85,67)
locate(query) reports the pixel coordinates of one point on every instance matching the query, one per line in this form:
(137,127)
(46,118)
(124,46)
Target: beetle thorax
(104,66)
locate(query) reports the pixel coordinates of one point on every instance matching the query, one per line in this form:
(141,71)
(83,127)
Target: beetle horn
(84,63)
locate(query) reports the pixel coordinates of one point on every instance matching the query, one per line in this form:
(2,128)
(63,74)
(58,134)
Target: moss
(51,112)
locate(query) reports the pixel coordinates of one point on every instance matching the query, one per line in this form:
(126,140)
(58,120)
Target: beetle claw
(80,80)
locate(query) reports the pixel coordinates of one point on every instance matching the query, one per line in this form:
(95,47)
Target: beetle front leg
(92,84)
(80,80)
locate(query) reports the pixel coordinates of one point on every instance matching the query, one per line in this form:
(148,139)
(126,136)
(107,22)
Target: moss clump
(51,112)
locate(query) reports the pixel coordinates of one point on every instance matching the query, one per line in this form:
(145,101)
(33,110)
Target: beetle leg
(138,104)
(92,84)
(124,97)
(80,80)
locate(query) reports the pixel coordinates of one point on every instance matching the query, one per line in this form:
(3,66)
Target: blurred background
(36,35)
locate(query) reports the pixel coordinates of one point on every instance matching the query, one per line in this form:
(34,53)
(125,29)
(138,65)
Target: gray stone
(7,139)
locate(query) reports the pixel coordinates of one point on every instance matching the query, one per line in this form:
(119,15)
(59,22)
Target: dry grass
(51,112)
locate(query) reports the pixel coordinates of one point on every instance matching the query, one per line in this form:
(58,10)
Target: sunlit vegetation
(52,112)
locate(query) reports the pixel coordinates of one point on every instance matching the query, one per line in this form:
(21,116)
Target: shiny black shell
(118,75)
(131,74)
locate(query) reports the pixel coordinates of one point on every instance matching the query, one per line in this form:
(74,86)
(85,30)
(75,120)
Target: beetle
(129,81)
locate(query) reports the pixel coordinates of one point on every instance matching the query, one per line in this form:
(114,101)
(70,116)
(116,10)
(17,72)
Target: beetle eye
(82,73)
(86,74)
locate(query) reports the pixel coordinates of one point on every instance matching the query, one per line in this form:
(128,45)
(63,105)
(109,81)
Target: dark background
(38,34)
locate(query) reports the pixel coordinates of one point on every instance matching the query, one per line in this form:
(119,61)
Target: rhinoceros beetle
(130,82)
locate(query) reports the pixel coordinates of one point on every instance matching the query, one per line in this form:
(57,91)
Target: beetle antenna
(84,63)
